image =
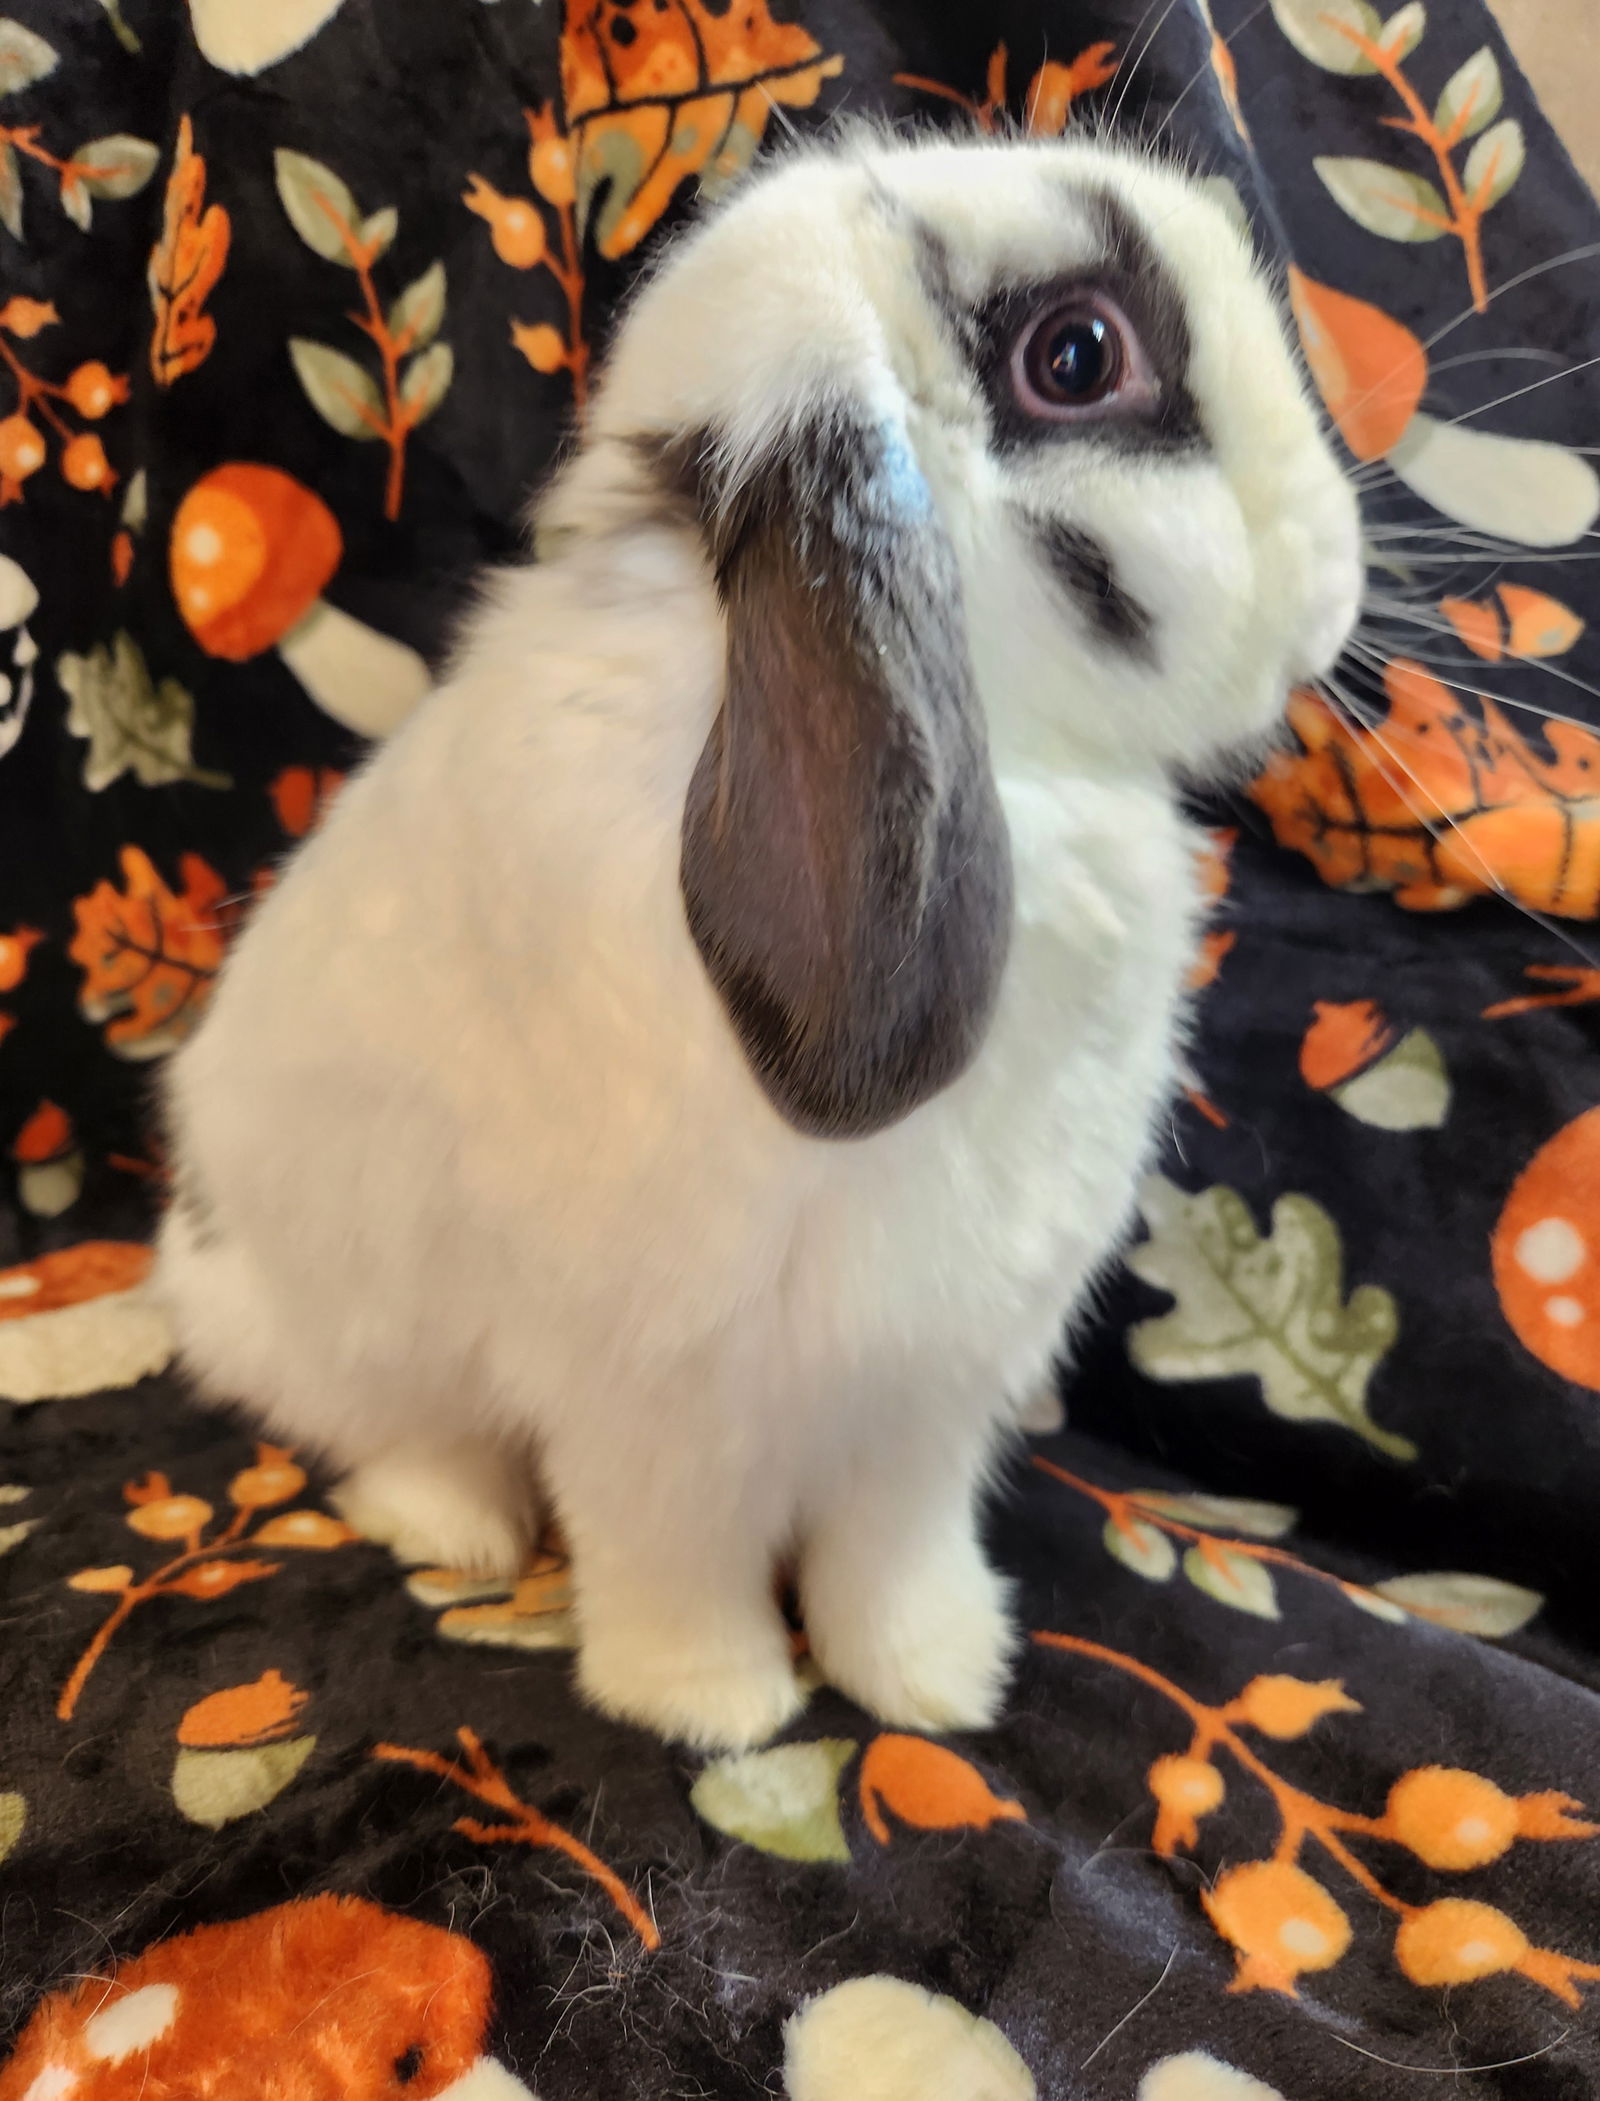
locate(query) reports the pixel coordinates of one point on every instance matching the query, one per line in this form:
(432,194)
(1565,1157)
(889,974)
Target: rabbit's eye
(1072,358)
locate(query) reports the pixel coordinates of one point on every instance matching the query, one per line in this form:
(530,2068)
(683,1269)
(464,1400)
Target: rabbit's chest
(982,1217)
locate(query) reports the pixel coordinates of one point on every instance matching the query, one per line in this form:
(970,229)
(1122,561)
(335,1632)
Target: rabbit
(706,1051)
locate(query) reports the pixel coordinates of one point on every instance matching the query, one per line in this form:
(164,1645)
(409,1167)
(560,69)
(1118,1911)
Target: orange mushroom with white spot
(318,1996)
(252,550)
(77,1321)
(1546,1251)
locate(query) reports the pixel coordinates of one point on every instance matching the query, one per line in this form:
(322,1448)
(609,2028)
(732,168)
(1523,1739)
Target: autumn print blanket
(1298,1795)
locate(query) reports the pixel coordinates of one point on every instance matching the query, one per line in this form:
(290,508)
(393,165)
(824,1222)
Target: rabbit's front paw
(706,1697)
(933,1661)
(453,1507)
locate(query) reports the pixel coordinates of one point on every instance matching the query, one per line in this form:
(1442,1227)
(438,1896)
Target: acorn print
(1350,1053)
(238,1750)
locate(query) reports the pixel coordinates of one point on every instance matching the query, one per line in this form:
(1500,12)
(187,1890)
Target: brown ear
(845,863)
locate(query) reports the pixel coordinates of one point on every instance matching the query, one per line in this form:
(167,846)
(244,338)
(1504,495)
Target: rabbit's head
(1002,465)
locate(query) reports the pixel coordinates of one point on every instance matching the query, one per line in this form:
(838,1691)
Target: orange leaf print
(148,954)
(925,1785)
(1369,368)
(655,98)
(1439,806)
(185,264)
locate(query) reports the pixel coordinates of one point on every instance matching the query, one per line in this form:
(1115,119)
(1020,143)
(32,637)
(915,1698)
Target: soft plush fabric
(298,304)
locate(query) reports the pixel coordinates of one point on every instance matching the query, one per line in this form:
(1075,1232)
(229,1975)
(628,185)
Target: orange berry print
(305,1528)
(924,1784)
(1457,1941)
(550,165)
(21,449)
(1454,1820)
(84,463)
(170,1517)
(1185,1789)
(14,951)
(1281,1922)
(515,226)
(25,317)
(273,1479)
(1546,1253)
(1451,1819)
(1287,1707)
(93,390)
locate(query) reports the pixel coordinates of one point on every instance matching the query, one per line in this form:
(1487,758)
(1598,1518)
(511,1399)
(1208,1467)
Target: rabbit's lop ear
(845,862)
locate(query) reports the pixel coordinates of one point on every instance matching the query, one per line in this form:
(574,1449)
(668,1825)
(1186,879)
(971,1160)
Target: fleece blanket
(297,305)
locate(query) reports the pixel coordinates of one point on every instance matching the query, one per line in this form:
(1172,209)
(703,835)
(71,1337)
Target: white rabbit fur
(475,1179)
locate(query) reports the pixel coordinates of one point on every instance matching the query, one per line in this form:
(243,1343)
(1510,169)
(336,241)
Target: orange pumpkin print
(1546,1253)
(1437,806)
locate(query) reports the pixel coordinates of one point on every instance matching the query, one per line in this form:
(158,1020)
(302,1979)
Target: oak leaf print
(148,954)
(1268,1306)
(655,99)
(184,267)
(132,724)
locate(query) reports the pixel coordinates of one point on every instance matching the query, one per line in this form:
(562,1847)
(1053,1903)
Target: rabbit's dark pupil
(1079,359)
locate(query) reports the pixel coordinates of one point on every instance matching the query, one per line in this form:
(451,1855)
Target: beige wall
(1557,43)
